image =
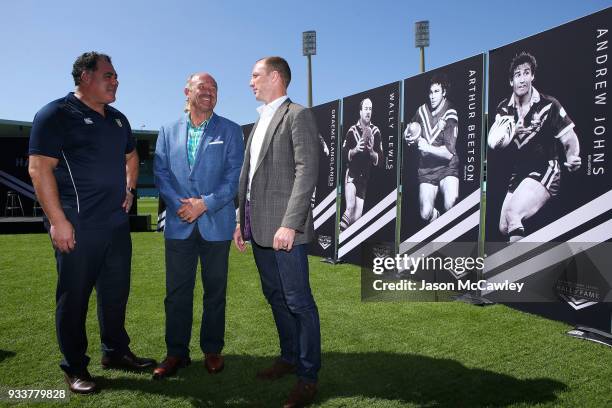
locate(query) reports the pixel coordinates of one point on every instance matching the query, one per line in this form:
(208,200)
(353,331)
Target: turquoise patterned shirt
(194,135)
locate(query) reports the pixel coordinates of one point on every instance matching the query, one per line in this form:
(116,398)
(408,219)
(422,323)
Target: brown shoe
(170,367)
(80,383)
(128,361)
(214,362)
(302,394)
(279,369)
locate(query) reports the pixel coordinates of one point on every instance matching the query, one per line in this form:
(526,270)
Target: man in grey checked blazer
(278,178)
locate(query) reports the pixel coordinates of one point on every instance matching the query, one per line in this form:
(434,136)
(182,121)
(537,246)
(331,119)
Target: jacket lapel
(247,152)
(182,147)
(244,173)
(205,140)
(276,120)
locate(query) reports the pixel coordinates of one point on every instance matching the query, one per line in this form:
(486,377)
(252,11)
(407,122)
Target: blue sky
(155,45)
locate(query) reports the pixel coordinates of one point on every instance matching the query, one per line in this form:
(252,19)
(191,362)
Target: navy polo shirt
(91,150)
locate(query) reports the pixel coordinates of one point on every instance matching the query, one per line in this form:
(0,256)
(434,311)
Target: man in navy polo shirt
(84,169)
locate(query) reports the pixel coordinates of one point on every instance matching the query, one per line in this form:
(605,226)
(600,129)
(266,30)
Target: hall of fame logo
(325,241)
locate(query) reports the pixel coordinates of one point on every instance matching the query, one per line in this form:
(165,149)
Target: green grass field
(374,354)
(148,206)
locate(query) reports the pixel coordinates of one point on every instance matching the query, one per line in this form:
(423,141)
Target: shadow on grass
(403,378)
(4,354)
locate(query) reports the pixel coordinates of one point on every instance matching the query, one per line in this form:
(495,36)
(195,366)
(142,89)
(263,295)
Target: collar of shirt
(439,108)
(202,126)
(535,98)
(84,107)
(269,109)
(360,126)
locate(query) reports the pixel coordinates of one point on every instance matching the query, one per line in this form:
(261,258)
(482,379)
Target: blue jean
(285,284)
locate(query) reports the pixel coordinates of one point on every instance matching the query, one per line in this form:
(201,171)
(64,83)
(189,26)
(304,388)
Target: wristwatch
(132,191)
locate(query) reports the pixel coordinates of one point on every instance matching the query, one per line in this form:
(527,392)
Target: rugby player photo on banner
(548,183)
(369,172)
(324,197)
(441,174)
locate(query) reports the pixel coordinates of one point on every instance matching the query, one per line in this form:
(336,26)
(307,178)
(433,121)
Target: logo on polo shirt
(118,121)
(88,121)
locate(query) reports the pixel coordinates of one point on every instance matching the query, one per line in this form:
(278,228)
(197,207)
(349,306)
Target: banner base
(332,261)
(588,333)
(474,300)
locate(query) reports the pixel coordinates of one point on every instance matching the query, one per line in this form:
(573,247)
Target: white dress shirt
(266,112)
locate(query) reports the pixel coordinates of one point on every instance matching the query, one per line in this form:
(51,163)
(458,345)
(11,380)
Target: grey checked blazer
(285,176)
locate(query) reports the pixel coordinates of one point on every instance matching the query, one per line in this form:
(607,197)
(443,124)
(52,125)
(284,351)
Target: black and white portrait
(362,149)
(441,155)
(433,130)
(369,169)
(539,135)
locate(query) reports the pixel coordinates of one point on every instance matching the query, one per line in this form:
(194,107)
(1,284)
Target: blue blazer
(214,176)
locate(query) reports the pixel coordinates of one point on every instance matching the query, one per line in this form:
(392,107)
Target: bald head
(201,92)
(200,76)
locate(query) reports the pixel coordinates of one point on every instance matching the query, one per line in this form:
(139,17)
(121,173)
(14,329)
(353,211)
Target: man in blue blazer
(197,165)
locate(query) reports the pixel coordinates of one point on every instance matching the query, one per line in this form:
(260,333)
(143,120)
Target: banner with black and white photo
(17,196)
(368,177)
(324,198)
(549,196)
(246,131)
(161,214)
(441,172)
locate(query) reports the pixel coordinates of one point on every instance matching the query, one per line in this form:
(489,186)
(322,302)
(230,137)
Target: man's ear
(85,77)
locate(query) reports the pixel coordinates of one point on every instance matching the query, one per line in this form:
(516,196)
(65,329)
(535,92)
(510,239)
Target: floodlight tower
(309,47)
(421,39)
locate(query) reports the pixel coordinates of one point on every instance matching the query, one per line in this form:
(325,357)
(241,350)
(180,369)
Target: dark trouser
(181,265)
(101,258)
(284,280)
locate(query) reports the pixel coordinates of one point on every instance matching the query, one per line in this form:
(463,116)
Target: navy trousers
(101,259)
(181,265)
(286,286)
